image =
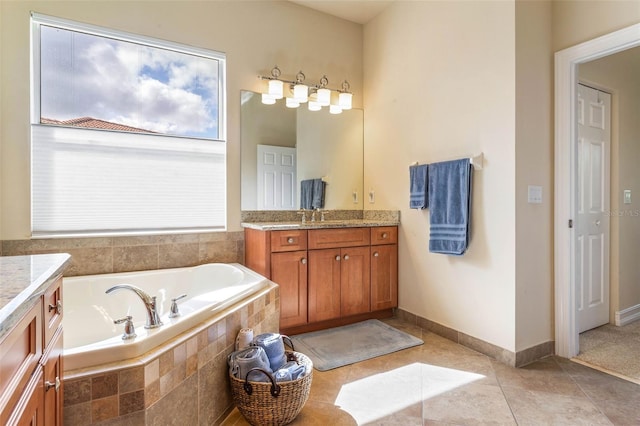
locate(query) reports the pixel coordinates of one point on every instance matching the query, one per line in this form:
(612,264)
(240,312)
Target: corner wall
(439,82)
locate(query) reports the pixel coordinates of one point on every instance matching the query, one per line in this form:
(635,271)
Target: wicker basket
(273,403)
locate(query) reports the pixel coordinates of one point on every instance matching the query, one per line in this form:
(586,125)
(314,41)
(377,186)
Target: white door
(592,233)
(276,178)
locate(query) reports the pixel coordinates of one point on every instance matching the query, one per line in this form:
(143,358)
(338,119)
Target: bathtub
(90,336)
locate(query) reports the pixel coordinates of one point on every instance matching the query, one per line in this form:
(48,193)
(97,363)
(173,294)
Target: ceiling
(358,11)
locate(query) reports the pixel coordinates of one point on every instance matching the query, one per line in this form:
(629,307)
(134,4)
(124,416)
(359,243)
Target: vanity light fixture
(297,92)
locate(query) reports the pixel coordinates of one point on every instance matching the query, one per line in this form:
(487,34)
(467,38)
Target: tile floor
(443,383)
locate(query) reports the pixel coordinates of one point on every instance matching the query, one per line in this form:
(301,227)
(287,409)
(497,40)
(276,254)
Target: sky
(155,89)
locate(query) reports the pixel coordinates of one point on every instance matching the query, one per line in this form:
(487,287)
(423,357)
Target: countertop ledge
(23,279)
(327,224)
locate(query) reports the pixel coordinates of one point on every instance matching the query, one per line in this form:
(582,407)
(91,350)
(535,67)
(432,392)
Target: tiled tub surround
(104,255)
(182,382)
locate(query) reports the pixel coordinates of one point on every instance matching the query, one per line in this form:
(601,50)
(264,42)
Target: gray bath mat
(352,343)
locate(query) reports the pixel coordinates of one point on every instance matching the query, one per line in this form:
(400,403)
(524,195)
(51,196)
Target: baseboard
(513,359)
(627,316)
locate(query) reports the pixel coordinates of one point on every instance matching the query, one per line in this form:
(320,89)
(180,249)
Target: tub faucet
(153,319)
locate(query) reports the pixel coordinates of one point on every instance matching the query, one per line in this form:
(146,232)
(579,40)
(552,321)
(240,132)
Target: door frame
(566,80)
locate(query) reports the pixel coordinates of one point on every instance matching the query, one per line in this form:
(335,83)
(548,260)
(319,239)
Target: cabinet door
(384,277)
(53,381)
(324,284)
(30,409)
(355,288)
(289,271)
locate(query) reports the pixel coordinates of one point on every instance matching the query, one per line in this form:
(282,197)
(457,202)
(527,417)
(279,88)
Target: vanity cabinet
(384,268)
(328,276)
(31,364)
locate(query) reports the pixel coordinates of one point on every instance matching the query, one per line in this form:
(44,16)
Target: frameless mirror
(280,147)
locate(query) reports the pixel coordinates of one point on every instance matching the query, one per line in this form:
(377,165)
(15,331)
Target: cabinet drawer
(336,238)
(52,310)
(289,240)
(384,235)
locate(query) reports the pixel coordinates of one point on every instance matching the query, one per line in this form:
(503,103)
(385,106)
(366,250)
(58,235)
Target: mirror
(296,144)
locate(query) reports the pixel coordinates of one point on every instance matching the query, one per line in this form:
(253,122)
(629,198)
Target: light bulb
(324,97)
(344,100)
(276,89)
(314,106)
(268,99)
(301,93)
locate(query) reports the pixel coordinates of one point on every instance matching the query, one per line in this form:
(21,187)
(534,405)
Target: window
(127,133)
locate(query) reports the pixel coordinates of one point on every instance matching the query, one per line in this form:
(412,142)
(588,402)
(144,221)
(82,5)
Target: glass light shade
(314,106)
(324,97)
(335,109)
(268,99)
(276,89)
(301,93)
(344,100)
(292,103)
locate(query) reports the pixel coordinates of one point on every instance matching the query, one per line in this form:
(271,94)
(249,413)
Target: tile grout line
(515,419)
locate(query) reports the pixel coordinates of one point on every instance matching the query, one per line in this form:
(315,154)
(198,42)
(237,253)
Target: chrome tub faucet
(153,319)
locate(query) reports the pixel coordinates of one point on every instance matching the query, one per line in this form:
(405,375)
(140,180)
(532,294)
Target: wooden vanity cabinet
(384,268)
(31,364)
(329,276)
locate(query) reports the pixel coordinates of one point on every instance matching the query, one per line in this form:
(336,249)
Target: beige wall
(619,74)
(440,84)
(534,160)
(254,35)
(575,22)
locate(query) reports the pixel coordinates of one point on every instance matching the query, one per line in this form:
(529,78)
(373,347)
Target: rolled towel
(282,375)
(244,338)
(241,362)
(273,345)
(293,371)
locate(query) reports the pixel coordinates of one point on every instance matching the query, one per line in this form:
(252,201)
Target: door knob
(290,240)
(598,222)
(346,257)
(338,257)
(303,261)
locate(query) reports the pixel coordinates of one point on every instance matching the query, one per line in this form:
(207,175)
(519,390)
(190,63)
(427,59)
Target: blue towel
(317,201)
(241,363)
(306,194)
(449,206)
(418,186)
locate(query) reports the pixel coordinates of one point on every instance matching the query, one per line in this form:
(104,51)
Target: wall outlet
(627,196)
(372,196)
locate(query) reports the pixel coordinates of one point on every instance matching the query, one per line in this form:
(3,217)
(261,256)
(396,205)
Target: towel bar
(477,161)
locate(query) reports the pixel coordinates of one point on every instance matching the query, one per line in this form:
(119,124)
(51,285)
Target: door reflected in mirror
(280,147)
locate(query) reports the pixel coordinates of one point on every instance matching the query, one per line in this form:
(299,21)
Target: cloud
(155,89)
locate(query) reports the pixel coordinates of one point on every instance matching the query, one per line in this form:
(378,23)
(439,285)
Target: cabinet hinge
(570,223)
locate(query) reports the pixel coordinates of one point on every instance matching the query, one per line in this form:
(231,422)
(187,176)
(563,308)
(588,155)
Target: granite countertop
(22,280)
(349,223)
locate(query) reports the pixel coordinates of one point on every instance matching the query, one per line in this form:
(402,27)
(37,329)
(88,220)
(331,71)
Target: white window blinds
(91,182)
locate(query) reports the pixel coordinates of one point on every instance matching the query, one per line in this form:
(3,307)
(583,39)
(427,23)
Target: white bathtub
(90,336)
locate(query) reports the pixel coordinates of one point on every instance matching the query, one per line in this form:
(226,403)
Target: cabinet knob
(384,235)
(290,240)
(57,307)
(303,261)
(375,254)
(346,257)
(48,385)
(338,257)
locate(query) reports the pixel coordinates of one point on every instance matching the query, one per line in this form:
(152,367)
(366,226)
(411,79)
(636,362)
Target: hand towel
(306,194)
(449,192)
(418,187)
(317,200)
(273,346)
(244,338)
(290,371)
(241,362)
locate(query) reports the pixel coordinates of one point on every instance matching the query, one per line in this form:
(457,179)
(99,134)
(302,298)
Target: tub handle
(129,329)
(175,312)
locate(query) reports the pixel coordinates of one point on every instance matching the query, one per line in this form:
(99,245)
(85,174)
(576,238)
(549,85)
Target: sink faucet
(153,319)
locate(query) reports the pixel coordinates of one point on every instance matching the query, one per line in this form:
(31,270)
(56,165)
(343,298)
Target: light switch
(534,194)
(627,196)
